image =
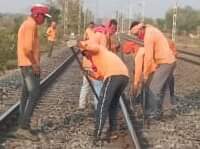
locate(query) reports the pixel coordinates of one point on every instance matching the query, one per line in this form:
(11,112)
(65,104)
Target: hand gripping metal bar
(86,76)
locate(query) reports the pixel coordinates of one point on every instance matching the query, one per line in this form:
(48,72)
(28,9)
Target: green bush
(8,47)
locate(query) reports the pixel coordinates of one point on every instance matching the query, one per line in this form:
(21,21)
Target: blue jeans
(97,87)
(30,94)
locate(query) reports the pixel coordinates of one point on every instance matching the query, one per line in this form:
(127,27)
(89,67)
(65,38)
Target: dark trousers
(30,94)
(51,45)
(159,88)
(109,99)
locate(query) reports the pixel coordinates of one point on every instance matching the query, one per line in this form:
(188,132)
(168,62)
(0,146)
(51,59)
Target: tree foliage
(188,19)
(9,25)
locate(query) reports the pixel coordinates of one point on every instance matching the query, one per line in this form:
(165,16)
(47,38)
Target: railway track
(52,116)
(182,54)
(44,84)
(10,84)
(189,57)
(59,123)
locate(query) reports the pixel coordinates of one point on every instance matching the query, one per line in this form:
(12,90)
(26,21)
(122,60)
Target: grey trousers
(159,88)
(30,94)
(51,46)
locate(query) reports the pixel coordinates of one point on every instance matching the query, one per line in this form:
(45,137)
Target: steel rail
(141,43)
(43,84)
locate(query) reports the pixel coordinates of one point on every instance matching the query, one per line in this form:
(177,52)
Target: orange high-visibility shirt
(107,63)
(87,65)
(51,33)
(139,61)
(28,42)
(156,49)
(108,41)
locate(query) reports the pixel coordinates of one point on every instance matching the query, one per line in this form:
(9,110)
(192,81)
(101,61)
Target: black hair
(112,22)
(91,23)
(134,23)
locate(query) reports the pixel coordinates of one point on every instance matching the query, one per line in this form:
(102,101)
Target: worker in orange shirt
(129,47)
(51,35)
(105,35)
(28,54)
(138,54)
(115,80)
(87,65)
(156,51)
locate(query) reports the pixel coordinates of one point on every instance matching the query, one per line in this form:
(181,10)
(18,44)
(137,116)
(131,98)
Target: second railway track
(189,57)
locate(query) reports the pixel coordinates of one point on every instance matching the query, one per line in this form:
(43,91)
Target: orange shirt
(51,33)
(90,34)
(156,49)
(87,65)
(28,43)
(107,40)
(139,61)
(107,63)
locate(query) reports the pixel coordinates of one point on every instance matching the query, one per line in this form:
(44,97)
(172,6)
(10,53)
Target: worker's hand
(36,69)
(72,43)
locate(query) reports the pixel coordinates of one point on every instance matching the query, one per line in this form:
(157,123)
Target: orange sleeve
(139,59)
(29,38)
(48,31)
(148,53)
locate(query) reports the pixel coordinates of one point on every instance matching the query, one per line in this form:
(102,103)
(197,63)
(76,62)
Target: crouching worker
(129,47)
(88,66)
(157,50)
(137,52)
(28,54)
(115,78)
(95,78)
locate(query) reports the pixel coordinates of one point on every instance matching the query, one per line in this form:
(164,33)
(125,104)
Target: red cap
(40,9)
